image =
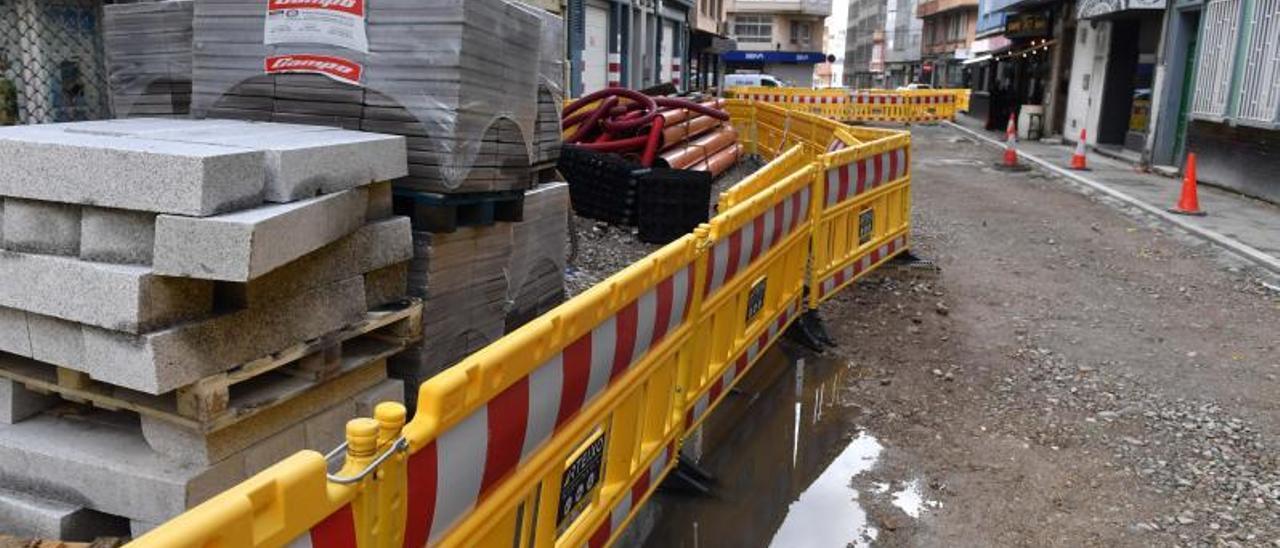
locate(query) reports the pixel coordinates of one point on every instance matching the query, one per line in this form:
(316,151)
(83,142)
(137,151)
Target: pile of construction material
(460,80)
(212,295)
(148,48)
(475,87)
(646,161)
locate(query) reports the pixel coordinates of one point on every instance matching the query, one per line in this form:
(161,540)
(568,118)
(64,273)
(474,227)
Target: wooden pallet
(224,399)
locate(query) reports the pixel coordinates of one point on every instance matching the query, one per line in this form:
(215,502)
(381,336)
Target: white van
(741,80)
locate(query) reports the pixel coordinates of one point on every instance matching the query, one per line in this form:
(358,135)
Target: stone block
(48,163)
(275,448)
(387,390)
(161,361)
(301,161)
(241,246)
(139,527)
(55,341)
(328,429)
(189,446)
(17,403)
(101,461)
(380,202)
(14,337)
(372,247)
(41,227)
(31,515)
(127,298)
(386,285)
(117,236)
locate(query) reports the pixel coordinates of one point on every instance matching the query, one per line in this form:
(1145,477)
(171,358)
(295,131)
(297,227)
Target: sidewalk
(1250,228)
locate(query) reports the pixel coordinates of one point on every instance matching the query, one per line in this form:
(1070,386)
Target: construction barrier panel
(889,106)
(556,434)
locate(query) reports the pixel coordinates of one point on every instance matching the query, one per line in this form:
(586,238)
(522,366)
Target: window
(1217,51)
(754,28)
(1259,98)
(800,32)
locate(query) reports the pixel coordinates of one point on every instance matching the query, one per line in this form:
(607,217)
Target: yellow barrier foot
(688,477)
(809,332)
(908,260)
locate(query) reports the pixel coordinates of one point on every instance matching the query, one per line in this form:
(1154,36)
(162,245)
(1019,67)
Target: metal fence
(52,67)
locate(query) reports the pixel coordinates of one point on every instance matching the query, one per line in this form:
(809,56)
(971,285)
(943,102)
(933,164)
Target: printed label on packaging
(342,70)
(338,23)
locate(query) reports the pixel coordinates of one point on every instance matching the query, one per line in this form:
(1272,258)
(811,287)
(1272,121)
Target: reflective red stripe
(757,238)
(336,531)
(421,506)
(577,371)
(626,339)
(508,414)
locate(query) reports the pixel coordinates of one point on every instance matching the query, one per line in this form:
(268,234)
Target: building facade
(902,43)
(1220,93)
(1114,72)
(948,33)
(636,44)
(783,38)
(864,55)
(708,40)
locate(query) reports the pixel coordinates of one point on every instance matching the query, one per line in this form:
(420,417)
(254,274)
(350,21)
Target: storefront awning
(1092,9)
(975,60)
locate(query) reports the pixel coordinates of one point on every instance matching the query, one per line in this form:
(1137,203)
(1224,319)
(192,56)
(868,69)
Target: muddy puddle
(784,451)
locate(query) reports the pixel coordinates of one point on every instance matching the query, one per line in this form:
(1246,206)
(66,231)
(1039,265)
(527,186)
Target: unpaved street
(1072,376)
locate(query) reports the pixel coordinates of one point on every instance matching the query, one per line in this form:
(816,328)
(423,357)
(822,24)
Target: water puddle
(827,512)
(911,499)
(784,450)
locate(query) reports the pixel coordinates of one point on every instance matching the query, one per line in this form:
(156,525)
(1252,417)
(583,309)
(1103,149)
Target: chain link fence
(52,67)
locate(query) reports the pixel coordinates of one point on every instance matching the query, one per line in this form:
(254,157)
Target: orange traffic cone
(1010,144)
(1188,202)
(1077,158)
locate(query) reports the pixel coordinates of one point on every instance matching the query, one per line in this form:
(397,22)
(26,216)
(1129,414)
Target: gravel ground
(1073,375)
(601,249)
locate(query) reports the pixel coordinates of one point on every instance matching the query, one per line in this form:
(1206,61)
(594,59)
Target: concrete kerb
(1242,249)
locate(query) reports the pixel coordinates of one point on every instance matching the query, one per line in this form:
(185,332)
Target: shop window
(753,28)
(1217,52)
(1259,97)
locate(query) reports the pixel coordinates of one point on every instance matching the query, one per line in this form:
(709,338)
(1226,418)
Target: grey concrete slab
(41,227)
(380,202)
(101,461)
(390,390)
(117,236)
(32,516)
(17,403)
(372,247)
(301,161)
(47,163)
(386,285)
(126,298)
(14,337)
(161,361)
(55,341)
(245,245)
(191,446)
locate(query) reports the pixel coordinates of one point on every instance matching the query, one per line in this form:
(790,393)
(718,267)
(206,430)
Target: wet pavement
(785,451)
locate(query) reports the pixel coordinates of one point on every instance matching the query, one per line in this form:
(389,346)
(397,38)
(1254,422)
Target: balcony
(816,8)
(934,7)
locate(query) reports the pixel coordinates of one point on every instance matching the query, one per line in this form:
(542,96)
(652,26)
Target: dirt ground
(1074,375)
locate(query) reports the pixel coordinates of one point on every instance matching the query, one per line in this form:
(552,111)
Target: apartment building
(864,44)
(779,37)
(708,40)
(949,27)
(636,43)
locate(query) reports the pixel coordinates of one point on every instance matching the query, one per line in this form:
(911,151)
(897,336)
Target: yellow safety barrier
(556,434)
(859,105)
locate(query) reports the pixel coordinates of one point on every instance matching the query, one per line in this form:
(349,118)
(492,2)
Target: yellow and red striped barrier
(556,434)
(906,106)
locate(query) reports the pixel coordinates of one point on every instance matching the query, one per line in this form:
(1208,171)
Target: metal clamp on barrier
(401,445)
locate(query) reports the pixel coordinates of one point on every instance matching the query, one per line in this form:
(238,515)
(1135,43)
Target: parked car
(742,80)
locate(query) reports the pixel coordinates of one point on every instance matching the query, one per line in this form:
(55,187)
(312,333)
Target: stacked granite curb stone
(205,286)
